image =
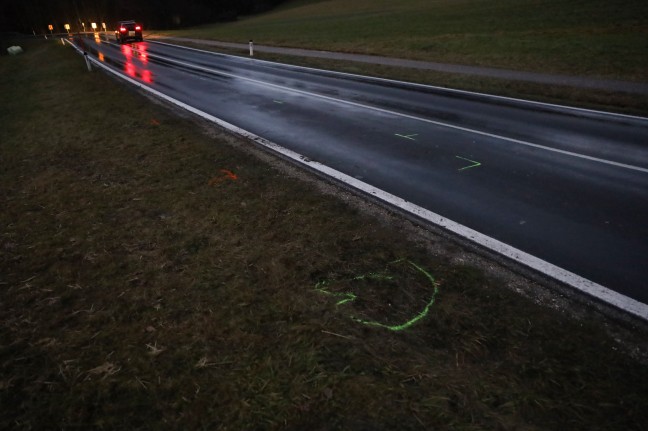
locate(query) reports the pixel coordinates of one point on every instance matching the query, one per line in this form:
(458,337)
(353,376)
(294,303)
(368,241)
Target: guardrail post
(87,60)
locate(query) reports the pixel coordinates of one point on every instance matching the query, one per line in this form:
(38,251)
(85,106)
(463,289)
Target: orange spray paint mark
(227,175)
(231,175)
(155,122)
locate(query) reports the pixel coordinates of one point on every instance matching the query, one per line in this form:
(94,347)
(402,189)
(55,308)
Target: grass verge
(595,38)
(152,277)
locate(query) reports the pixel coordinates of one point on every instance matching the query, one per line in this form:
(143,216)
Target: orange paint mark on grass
(227,175)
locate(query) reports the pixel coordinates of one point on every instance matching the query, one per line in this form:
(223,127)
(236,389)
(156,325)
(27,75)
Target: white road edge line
(412,84)
(400,114)
(591,288)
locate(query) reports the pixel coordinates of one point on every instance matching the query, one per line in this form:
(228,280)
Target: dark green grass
(140,288)
(595,38)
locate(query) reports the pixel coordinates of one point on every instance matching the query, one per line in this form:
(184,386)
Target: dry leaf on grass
(154,350)
(107,369)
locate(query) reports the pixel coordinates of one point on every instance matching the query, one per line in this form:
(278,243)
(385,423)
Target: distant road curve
(488,72)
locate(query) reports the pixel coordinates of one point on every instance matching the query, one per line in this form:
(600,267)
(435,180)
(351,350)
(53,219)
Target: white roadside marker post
(251,48)
(87,60)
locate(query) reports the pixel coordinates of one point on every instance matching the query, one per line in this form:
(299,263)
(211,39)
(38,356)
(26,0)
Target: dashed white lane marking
(401,114)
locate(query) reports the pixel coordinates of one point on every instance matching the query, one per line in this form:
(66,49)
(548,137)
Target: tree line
(35,15)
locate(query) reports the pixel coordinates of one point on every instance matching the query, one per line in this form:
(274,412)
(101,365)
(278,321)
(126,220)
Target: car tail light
(137,27)
(122,29)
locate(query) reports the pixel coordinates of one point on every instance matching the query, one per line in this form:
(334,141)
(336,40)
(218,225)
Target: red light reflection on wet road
(147,76)
(130,70)
(136,60)
(140,51)
(127,50)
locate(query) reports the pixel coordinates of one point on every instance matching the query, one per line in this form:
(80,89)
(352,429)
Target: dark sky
(27,15)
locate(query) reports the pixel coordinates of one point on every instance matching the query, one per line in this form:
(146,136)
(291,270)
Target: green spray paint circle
(348,297)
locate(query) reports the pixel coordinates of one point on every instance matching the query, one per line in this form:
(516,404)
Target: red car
(128,30)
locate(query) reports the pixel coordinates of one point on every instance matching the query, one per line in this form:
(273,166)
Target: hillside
(592,37)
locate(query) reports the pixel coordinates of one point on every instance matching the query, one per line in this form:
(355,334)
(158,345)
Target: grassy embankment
(142,286)
(595,38)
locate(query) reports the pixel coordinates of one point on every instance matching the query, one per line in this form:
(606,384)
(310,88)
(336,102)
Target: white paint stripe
(595,290)
(400,114)
(413,84)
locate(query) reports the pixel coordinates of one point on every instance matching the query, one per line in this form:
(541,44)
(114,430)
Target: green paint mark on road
(474,163)
(410,137)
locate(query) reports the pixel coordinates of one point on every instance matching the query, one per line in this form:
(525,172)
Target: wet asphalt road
(567,186)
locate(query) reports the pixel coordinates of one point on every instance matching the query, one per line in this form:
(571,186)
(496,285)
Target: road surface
(488,72)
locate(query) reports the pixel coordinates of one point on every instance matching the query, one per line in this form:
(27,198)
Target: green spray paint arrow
(350,297)
(474,163)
